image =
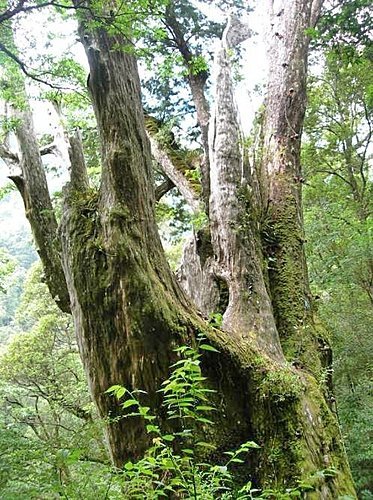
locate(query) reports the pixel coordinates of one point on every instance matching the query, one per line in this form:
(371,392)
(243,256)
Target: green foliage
(192,32)
(282,385)
(7,267)
(16,255)
(176,463)
(50,442)
(5,190)
(216,319)
(173,464)
(338,219)
(199,220)
(198,64)
(346,22)
(173,218)
(174,254)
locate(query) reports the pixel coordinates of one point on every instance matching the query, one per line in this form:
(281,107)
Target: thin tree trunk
(32,185)
(303,341)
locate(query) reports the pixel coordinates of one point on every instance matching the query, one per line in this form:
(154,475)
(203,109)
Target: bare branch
(29,74)
(48,149)
(78,177)
(8,156)
(315,12)
(163,188)
(177,177)
(332,172)
(20,7)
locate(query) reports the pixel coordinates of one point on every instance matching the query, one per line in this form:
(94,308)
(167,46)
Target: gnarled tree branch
(177,177)
(163,188)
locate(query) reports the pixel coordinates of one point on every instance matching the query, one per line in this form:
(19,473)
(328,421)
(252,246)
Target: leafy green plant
(172,464)
(216,319)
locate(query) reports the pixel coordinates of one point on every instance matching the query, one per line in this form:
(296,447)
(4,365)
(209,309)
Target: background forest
(51,440)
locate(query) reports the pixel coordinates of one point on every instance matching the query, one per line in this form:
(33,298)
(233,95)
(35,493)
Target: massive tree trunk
(129,311)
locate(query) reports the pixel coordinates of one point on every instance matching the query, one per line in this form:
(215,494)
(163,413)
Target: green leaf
(130,402)
(168,437)
(113,388)
(205,408)
(204,420)
(188,451)
(203,444)
(120,392)
(152,428)
(208,347)
(250,444)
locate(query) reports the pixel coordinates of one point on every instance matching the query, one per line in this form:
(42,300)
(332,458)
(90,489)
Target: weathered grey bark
(235,244)
(196,275)
(236,258)
(32,185)
(112,253)
(281,181)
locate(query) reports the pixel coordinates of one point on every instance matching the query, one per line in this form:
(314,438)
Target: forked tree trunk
(129,312)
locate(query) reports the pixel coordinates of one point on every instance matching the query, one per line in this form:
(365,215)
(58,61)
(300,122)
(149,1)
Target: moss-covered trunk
(129,312)
(282,183)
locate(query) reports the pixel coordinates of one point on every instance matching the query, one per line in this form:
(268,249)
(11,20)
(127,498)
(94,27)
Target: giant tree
(105,261)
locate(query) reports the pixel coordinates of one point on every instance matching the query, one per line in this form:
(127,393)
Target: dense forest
(185,297)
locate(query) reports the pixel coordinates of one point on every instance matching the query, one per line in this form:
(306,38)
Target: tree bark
(33,187)
(129,312)
(303,341)
(235,245)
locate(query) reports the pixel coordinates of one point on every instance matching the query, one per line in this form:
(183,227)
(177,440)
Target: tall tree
(129,312)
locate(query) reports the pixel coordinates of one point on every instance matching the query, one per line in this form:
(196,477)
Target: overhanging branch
(163,188)
(8,156)
(177,177)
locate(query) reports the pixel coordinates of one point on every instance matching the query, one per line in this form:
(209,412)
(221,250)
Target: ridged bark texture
(129,312)
(33,187)
(237,259)
(303,342)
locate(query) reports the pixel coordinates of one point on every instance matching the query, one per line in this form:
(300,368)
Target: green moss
(119,211)
(259,400)
(279,386)
(282,240)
